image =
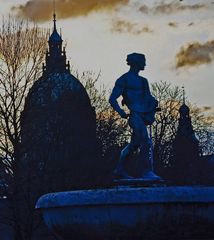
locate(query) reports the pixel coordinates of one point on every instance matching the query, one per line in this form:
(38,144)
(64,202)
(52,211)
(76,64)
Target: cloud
(145,9)
(173,24)
(206,108)
(191,24)
(42,10)
(195,54)
(123,26)
(168,8)
(172,7)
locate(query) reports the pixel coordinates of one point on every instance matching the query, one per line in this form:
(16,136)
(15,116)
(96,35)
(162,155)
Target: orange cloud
(42,10)
(195,54)
(124,26)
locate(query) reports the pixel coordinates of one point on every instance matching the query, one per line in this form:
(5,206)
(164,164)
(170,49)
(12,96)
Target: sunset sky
(177,38)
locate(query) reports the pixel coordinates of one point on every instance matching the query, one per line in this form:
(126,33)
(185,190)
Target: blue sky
(176,37)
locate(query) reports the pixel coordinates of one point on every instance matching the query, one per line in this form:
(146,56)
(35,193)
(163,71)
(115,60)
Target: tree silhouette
(22,48)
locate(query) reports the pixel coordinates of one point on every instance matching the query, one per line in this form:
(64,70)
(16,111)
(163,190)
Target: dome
(50,88)
(58,130)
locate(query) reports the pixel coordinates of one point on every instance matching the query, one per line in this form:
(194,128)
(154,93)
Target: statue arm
(116,93)
(153,103)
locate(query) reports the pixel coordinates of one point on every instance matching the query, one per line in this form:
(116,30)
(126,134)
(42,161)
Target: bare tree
(204,129)
(22,48)
(112,131)
(165,127)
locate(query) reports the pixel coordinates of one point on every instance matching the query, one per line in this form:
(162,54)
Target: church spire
(54,20)
(185,125)
(55,37)
(184,97)
(54,14)
(56,56)
(184,109)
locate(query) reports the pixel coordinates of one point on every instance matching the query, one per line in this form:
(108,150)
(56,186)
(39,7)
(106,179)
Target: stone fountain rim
(126,195)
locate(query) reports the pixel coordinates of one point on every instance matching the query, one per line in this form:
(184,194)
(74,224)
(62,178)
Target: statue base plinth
(143,182)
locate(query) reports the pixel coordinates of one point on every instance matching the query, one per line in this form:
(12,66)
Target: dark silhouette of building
(56,57)
(58,125)
(186,149)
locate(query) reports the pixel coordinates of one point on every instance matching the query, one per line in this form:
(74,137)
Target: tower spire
(54,14)
(184,97)
(54,20)
(56,56)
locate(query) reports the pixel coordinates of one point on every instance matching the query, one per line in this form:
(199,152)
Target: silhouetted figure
(142,105)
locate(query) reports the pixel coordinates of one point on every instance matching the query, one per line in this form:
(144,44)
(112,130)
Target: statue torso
(136,92)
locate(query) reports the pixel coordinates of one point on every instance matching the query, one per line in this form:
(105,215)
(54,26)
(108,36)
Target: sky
(177,38)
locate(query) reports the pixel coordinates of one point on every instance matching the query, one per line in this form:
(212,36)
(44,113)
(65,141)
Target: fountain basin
(130,213)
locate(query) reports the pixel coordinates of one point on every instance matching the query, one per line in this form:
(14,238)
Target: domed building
(58,124)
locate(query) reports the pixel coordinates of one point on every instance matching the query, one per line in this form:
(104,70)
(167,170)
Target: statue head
(136,60)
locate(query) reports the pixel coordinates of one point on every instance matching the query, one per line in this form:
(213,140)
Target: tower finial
(184,97)
(54,14)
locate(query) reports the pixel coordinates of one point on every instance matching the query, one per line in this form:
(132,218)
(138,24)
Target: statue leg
(144,144)
(120,169)
(146,158)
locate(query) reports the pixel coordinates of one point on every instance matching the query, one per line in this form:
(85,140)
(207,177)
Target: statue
(142,105)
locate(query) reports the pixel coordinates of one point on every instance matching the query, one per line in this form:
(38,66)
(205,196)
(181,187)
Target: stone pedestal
(130,213)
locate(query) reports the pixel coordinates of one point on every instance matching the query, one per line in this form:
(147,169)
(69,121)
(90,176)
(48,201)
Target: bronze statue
(142,105)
